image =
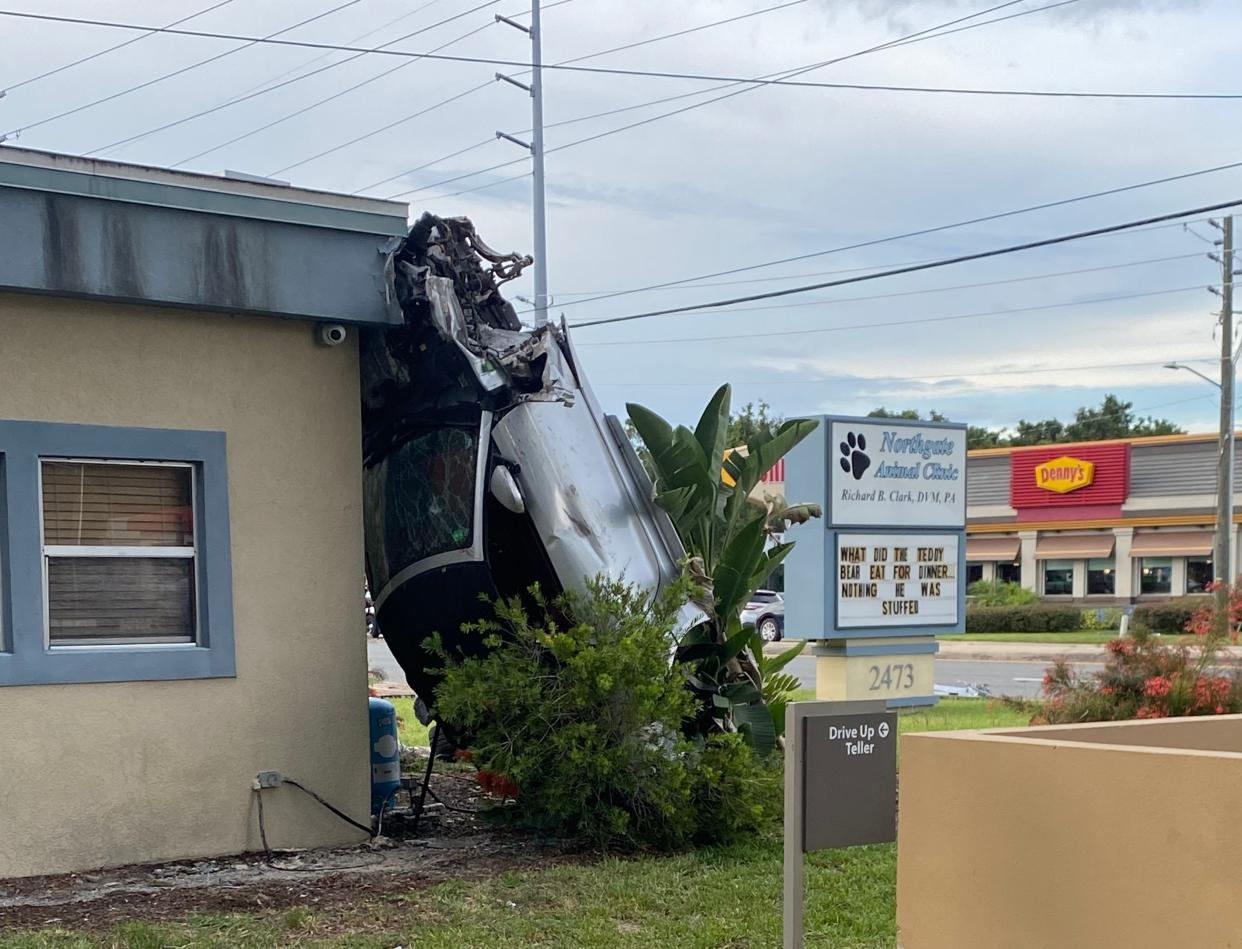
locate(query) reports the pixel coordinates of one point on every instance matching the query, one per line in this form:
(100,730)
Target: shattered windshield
(419,500)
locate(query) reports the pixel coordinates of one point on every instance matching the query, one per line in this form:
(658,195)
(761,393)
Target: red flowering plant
(1145,676)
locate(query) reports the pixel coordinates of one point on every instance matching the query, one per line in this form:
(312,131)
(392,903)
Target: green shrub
(1102,619)
(1033,618)
(1167,618)
(999,593)
(578,715)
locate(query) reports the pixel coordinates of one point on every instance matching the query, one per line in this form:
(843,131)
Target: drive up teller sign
(883,572)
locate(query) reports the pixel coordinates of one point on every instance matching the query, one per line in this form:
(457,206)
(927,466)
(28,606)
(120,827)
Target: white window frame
(122,551)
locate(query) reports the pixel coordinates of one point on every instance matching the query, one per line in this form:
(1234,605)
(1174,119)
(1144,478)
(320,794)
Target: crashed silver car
(489,465)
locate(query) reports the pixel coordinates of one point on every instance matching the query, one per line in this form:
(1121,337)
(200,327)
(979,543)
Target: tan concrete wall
(1030,844)
(106,774)
(1204,733)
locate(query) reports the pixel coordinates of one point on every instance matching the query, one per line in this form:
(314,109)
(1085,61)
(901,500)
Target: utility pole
(535,147)
(1223,558)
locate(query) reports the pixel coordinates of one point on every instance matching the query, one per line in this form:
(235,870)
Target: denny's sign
(1064,474)
(1079,480)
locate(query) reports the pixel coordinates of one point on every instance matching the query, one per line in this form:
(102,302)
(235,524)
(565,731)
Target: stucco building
(180,515)
(1097,522)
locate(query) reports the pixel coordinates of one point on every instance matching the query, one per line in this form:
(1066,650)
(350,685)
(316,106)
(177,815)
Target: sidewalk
(1018,652)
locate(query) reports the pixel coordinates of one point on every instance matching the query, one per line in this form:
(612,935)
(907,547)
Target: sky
(771,173)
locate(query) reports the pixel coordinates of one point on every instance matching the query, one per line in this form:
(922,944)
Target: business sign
(1092,482)
(1064,474)
(840,789)
(896,474)
(850,780)
(894,580)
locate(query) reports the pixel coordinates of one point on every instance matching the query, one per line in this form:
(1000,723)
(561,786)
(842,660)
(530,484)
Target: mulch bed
(447,844)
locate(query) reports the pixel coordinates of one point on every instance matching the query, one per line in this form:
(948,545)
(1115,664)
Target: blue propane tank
(385,753)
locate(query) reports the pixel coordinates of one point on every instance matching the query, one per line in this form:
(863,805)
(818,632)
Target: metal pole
(1223,557)
(541,235)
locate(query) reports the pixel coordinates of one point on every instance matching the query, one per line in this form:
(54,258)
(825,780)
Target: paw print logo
(854,458)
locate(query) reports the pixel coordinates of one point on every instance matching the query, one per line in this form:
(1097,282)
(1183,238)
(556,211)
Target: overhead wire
(414,115)
(870,267)
(880,324)
(925,290)
(285,117)
(288,82)
(357,39)
(919,35)
(112,49)
(247,42)
(972,374)
(640,73)
(920,232)
(917,268)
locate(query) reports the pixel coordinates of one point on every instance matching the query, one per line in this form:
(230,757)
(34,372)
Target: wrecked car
(488,463)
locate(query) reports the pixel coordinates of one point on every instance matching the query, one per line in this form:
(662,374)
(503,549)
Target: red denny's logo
(1064,474)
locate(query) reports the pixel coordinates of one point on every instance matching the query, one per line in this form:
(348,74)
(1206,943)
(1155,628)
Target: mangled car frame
(489,465)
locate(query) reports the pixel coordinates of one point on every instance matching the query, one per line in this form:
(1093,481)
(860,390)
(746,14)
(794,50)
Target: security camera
(331,334)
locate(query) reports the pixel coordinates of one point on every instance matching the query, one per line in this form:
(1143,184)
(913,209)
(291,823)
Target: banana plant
(705,488)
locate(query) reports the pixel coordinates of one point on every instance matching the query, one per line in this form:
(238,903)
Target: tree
(752,423)
(911,414)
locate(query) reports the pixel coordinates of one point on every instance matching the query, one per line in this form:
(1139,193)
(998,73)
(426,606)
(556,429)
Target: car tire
(769,629)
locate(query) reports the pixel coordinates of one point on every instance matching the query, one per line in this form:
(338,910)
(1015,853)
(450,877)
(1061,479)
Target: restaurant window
(1101,577)
(1198,574)
(1009,572)
(1058,578)
(119,553)
(1156,575)
(974,573)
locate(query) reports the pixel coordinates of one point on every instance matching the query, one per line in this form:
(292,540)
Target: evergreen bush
(578,714)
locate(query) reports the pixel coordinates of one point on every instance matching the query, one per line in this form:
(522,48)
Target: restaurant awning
(1074,546)
(992,548)
(1172,544)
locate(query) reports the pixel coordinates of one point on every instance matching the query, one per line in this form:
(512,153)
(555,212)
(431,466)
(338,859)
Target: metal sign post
(840,787)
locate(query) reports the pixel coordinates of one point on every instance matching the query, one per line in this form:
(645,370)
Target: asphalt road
(1001,678)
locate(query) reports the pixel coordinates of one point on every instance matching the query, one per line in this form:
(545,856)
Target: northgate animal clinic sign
(876,580)
(895,476)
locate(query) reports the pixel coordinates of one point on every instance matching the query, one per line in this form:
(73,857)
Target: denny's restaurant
(1099,522)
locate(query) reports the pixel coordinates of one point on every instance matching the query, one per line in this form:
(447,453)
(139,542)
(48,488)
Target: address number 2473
(890,677)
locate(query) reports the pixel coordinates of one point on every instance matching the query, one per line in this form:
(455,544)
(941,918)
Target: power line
(925,290)
(392,125)
(871,267)
(843,377)
(357,39)
(491,139)
(114,48)
(336,95)
(641,73)
(288,82)
(915,268)
(921,232)
(247,42)
(413,115)
(918,36)
(887,323)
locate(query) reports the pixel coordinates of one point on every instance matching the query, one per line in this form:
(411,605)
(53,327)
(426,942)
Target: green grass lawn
(716,897)
(410,730)
(1086,636)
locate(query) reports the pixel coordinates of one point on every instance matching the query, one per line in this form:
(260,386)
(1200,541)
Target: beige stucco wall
(106,774)
(1029,843)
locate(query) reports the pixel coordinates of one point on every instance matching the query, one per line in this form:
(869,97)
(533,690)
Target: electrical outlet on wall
(269,779)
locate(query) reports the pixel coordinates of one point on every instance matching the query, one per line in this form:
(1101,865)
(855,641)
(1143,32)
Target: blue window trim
(25,659)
